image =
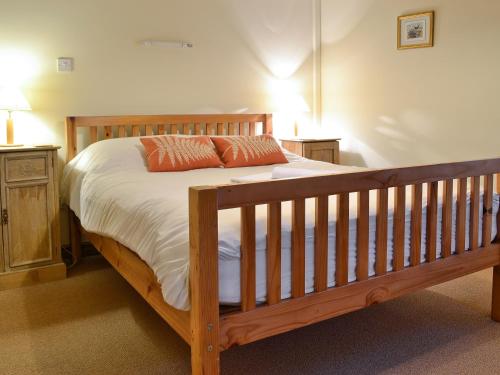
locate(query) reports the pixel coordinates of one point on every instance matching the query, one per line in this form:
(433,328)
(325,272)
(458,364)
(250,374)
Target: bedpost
(204,280)
(74,223)
(70,138)
(495,301)
(75,236)
(497,239)
(268,124)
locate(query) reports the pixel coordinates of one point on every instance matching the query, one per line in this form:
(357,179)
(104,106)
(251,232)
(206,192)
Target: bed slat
(447,218)
(220,128)
(362,235)
(211,129)
(149,130)
(461,212)
(197,128)
(242,128)
(122,132)
(474,212)
(298,248)
(108,132)
(93,134)
(416,225)
(248,298)
(273,253)
(399,228)
(136,131)
(431,232)
(186,129)
(381,232)
(487,210)
(342,240)
(321,244)
(231,129)
(251,128)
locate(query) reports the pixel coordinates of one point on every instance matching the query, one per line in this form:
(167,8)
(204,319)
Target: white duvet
(109,188)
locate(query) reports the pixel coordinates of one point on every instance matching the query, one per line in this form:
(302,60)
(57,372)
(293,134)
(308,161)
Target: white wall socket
(65,64)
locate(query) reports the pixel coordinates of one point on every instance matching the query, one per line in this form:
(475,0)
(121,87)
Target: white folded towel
(283,172)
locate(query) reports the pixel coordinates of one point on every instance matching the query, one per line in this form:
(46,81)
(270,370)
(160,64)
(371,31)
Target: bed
(266,257)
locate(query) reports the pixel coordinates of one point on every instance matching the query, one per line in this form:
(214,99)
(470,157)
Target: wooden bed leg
(495,303)
(497,239)
(204,280)
(75,237)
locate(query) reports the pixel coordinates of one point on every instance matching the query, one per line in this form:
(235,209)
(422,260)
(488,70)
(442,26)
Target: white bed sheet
(110,190)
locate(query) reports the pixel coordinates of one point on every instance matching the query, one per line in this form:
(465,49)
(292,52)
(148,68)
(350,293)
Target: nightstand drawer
(26,167)
(326,150)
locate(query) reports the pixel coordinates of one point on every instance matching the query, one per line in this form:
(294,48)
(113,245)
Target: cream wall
(390,107)
(245,54)
(416,106)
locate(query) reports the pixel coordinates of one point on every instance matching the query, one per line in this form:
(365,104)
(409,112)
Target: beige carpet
(94,323)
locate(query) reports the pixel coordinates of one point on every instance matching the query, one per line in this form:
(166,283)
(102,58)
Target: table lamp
(12,99)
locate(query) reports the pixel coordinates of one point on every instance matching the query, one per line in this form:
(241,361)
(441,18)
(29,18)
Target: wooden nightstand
(315,149)
(30,248)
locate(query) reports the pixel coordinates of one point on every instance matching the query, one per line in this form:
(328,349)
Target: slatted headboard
(106,127)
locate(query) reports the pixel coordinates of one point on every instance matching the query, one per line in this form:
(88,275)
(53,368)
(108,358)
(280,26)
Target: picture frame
(416,30)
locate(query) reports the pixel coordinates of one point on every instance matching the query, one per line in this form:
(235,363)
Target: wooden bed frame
(209,328)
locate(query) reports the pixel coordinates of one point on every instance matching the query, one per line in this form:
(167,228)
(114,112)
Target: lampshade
(12,99)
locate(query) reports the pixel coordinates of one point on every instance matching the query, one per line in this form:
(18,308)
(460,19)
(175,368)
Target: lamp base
(10,129)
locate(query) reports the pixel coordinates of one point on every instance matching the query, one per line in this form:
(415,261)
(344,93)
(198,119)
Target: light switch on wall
(65,64)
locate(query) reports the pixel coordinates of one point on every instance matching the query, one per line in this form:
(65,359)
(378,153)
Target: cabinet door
(28,227)
(27,209)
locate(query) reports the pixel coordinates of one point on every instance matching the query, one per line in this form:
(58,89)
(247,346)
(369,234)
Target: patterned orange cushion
(246,151)
(171,153)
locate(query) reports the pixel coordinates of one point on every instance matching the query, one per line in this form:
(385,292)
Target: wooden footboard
(209,330)
(214,331)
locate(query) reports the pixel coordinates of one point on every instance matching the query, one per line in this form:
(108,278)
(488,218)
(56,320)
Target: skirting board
(32,276)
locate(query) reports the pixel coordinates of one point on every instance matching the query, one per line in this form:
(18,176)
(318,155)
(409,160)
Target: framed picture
(416,30)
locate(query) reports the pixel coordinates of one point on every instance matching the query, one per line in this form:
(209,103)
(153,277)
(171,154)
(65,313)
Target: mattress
(109,189)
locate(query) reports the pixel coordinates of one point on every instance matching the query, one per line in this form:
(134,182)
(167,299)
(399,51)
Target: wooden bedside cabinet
(30,246)
(315,149)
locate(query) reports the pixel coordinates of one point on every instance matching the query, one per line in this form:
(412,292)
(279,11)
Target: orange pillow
(246,151)
(171,153)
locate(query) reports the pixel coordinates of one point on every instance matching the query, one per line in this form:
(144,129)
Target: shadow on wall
(279,35)
(274,31)
(383,144)
(343,17)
